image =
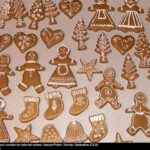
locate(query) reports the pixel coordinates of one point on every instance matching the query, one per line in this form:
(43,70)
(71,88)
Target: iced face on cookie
(140,98)
(32,55)
(4,60)
(63,51)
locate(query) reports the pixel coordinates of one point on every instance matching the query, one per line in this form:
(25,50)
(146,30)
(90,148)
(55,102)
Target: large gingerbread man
(31,76)
(4,72)
(107,88)
(139,119)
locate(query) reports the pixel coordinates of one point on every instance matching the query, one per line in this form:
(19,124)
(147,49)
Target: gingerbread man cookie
(31,76)
(101,19)
(139,119)
(55,105)
(25,135)
(107,88)
(131,20)
(4,137)
(50,135)
(5,71)
(63,76)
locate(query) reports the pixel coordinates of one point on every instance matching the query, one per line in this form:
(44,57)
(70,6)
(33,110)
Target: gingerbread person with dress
(107,88)
(131,20)
(62,76)
(101,19)
(139,119)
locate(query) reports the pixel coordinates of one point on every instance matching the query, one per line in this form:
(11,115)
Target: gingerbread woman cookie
(5,71)
(50,135)
(4,137)
(31,76)
(139,119)
(131,20)
(63,76)
(101,19)
(107,88)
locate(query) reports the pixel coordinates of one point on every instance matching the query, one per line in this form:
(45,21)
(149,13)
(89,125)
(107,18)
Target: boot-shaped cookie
(31,109)
(80,100)
(99,126)
(55,103)
(75,133)
(50,135)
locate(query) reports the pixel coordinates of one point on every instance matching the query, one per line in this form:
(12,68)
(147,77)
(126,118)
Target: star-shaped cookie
(25,136)
(89,68)
(120,140)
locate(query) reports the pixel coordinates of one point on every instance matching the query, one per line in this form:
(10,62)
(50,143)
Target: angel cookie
(107,88)
(5,71)
(31,76)
(131,20)
(101,20)
(140,111)
(62,76)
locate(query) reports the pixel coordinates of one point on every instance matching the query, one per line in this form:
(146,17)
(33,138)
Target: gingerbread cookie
(80,35)
(129,72)
(148,15)
(142,50)
(55,105)
(31,76)
(4,137)
(5,71)
(140,111)
(18,12)
(81,101)
(101,19)
(5,13)
(25,135)
(99,128)
(5,41)
(63,76)
(50,135)
(131,20)
(123,44)
(120,140)
(25,42)
(75,133)
(51,11)
(70,7)
(89,68)
(31,109)
(103,47)
(107,88)
(36,14)
(51,37)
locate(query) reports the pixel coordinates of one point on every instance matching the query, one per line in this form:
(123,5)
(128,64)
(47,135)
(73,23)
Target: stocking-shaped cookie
(4,137)
(101,19)
(139,119)
(75,133)
(63,76)
(31,109)
(5,71)
(50,135)
(99,128)
(5,13)
(80,100)
(131,20)
(107,88)
(55,107)
(36,14)
(31,76)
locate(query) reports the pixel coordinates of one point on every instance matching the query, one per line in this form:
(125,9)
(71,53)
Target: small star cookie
(25,136)
(120,140)
(89,68)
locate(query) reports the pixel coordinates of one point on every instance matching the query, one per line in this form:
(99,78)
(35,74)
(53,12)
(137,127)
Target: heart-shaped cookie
(5,41)
(123,44)
(70,7)
(51,38)
(25,42)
